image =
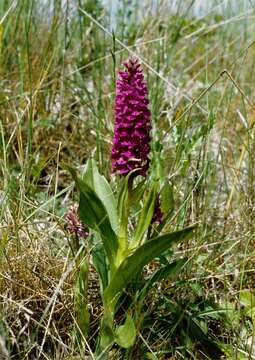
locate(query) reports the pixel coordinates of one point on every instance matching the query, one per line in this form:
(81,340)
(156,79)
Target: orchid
(119,252)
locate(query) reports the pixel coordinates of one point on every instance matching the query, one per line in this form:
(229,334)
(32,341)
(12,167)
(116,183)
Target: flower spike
(131,141)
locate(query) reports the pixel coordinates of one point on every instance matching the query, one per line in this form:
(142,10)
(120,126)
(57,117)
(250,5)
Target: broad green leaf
(105,193)
(126,333)
(80,300)
(161,274)
(93,213)
(103,190)
(145,215)
(106,336)
(122,195)
(142,256)
(87,175)
(168,270)
(138,192)
(99,261)
(125,194)
(123,210)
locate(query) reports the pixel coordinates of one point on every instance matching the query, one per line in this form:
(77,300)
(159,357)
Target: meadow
(59,62)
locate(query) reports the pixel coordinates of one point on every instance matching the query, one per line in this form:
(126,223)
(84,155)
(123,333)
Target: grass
(58,66)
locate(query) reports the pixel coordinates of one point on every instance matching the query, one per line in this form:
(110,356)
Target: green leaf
(122,195)
(141,256)
(103,190)
(145,215)
(161,274)
(126,333)
(87,175)
(126,193)
(99,261)
(93,213)
(138,192)
(106,335)
(123,211)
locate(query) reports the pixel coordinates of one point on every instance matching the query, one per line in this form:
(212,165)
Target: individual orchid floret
(131,141)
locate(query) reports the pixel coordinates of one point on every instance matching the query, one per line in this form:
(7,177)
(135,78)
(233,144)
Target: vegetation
(58,66)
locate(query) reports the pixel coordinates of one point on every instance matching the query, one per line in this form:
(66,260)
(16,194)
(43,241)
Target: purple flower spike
(131,141)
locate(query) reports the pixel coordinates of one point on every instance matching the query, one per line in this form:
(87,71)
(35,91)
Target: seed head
(74,225)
